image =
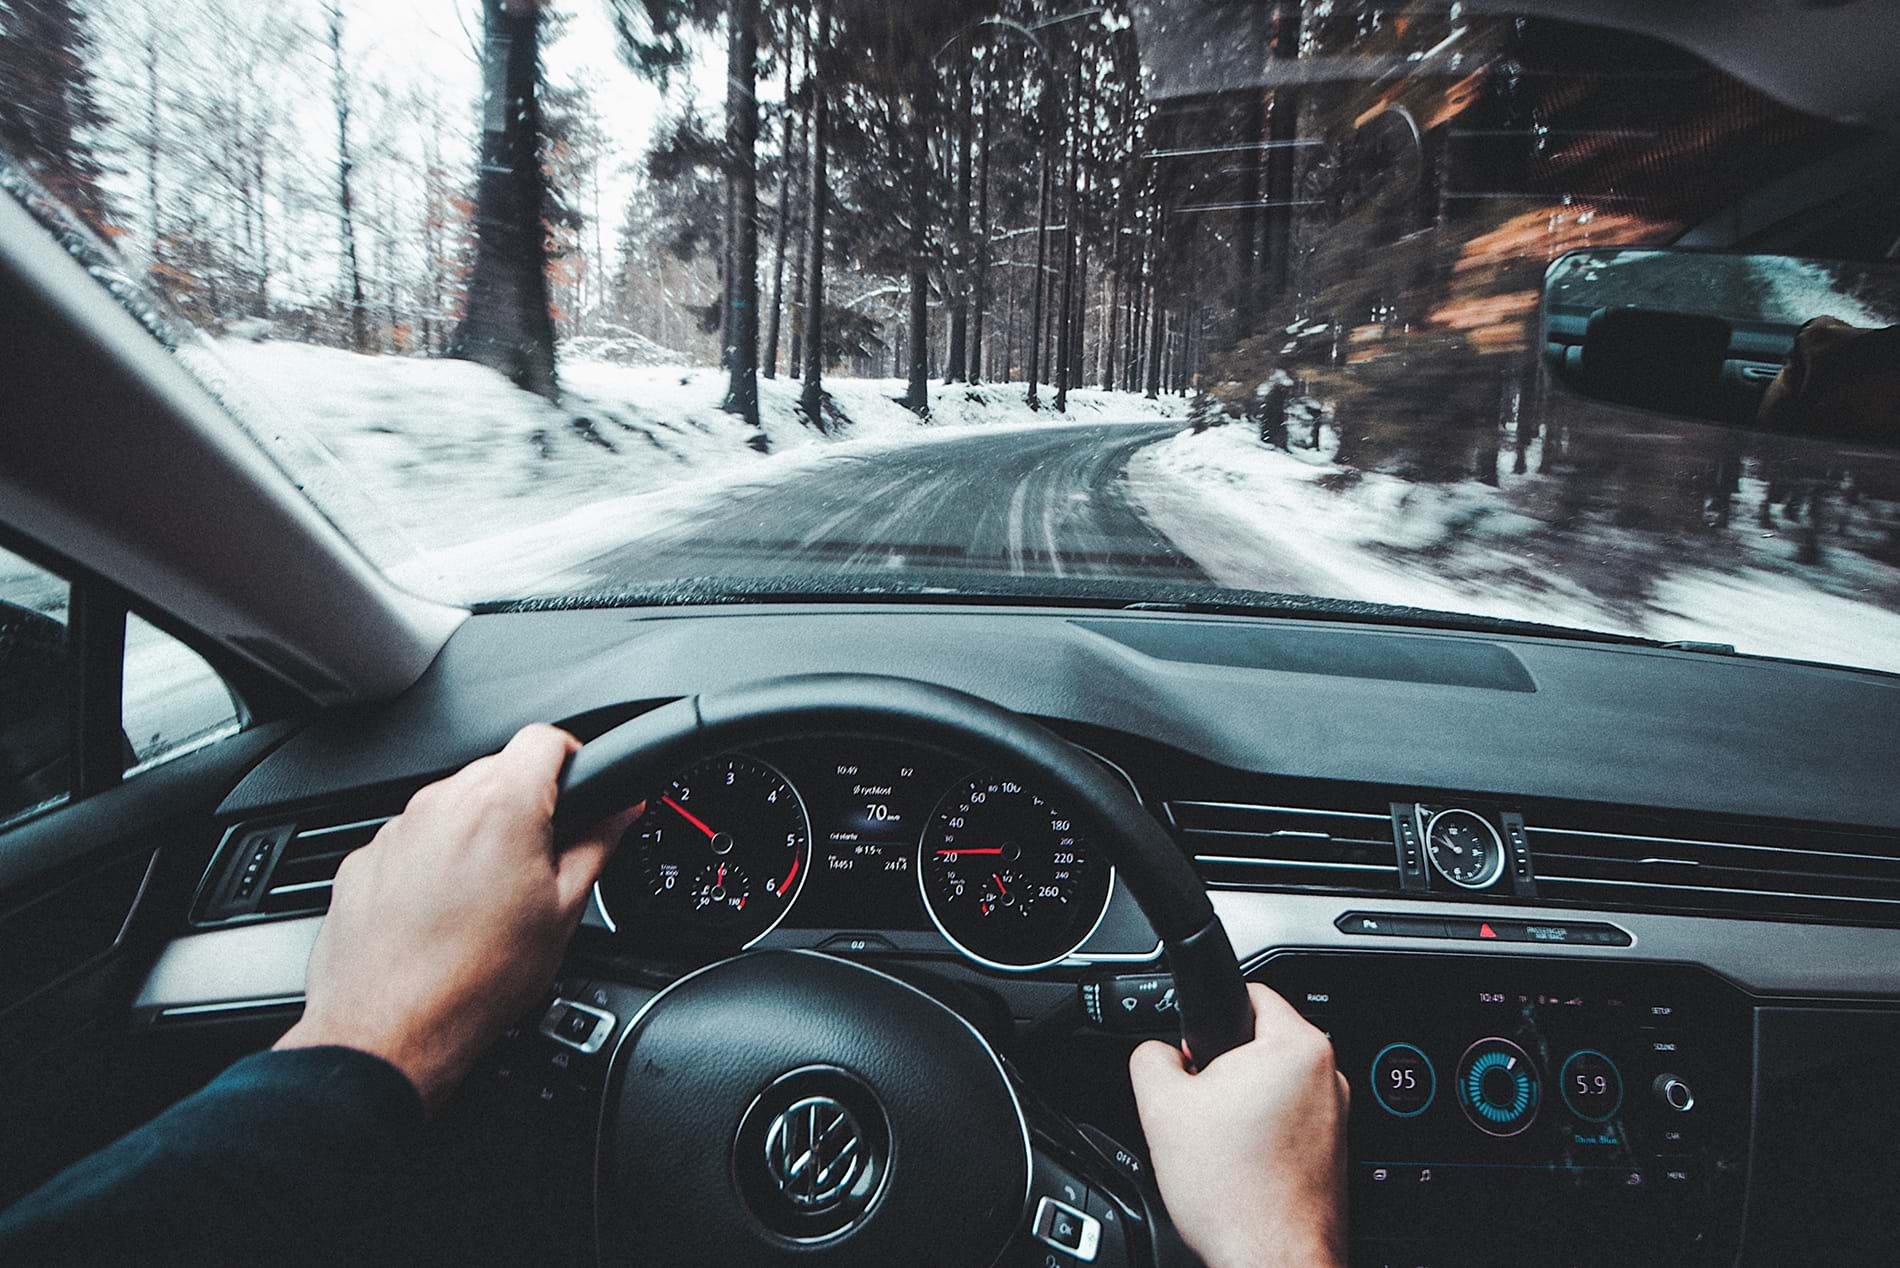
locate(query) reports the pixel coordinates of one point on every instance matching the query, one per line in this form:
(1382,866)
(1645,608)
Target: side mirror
(1775,343)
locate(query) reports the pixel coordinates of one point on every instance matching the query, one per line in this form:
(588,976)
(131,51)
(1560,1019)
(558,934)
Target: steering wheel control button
(1497,1087)
(1075,1232)
(1051,1179)
(581,1027)
(1112,1252)
(1113,1151)
(1138,1003)
(1403,1080)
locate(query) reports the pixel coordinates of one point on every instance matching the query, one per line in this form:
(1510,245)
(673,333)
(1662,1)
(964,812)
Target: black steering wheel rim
(645,752)
(717,1047)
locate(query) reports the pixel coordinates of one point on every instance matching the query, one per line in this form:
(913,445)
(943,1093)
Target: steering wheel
(788,1107)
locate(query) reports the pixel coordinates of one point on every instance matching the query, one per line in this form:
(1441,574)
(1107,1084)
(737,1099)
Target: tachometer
(1008,878)
(721,853)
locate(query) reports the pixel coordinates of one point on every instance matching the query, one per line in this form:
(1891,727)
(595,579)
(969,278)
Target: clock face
(1464,848)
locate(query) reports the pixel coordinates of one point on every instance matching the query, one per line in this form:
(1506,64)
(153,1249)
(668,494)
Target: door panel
(88,894)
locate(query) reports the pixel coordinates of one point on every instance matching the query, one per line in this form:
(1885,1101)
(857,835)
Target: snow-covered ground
(1259,518)
(465,487)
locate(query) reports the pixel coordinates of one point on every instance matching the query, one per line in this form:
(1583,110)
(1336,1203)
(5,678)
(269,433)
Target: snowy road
(1044,501)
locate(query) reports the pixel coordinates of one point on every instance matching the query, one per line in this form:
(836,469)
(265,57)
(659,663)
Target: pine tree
(49,114)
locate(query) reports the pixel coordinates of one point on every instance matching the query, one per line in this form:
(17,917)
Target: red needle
(687,815)
(999,882)
(722,875)
(993,850)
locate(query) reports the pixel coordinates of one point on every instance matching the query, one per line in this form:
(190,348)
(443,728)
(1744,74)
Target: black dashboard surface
(1616,724)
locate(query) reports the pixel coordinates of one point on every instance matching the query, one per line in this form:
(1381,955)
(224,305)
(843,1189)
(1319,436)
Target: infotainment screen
(1532,1111)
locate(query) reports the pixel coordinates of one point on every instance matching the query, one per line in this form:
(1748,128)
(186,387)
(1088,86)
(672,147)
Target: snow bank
(1258,518)
(461,485)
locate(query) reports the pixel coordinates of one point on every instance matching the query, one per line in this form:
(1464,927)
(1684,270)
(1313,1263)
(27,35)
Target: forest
(1325,223)
(881,186)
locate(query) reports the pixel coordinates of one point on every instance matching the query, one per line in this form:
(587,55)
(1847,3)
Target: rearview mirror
(1773,342)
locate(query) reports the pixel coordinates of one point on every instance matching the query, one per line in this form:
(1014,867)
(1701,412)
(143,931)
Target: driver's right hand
(1250,1153)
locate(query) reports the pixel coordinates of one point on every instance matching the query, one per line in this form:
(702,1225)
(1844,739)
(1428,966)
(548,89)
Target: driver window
(35,687)
(174,702)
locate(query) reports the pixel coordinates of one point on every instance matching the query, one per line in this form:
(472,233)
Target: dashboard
(838,834)
(1612,977)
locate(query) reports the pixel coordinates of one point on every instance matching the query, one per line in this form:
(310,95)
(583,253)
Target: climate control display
(1497,1087)
(1591,1085)
(1403,1080)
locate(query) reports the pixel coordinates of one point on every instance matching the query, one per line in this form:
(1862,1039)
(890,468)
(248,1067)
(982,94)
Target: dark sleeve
(287,1157)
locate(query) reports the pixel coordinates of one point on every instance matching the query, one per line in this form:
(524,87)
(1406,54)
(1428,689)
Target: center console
(1531,1111)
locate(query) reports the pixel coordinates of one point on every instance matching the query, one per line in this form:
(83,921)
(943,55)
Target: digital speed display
(866,812)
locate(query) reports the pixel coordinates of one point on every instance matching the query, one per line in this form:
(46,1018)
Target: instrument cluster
(879,836)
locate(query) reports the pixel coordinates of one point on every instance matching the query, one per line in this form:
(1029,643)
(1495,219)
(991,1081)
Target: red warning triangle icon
(1486,931)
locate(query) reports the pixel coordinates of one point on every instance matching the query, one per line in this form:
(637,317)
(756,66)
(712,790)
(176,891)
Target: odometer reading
(721,853)
(1007,877)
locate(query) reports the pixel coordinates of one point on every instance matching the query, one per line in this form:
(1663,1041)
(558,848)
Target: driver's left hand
(452,922)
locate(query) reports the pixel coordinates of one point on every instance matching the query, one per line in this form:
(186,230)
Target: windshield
(1147,300)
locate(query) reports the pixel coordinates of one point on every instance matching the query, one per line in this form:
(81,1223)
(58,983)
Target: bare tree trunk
(507,326)
(154,142)
(783,228)
(917,389)
(981,297)
(957,362)
(1034,361)
(742,136)
(1118,265)
(1157,331)
(726,271)
(1282,129)
(1247,238)
(1065,360)
(346,212)
(811,399)
(1009,328)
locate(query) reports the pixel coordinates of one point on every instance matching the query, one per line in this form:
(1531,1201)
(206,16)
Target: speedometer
(1008,878)
(720,855)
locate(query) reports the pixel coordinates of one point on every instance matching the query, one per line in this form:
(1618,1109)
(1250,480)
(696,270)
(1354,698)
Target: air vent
(1288,847)
(1733,869)
(281,869)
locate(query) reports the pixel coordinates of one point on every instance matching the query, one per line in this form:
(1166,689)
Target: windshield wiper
(1107,594)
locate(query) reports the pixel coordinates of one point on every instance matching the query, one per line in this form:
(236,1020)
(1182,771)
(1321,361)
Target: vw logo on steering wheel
(814,1152)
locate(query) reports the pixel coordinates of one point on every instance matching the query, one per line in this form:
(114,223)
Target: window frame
(97,609)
